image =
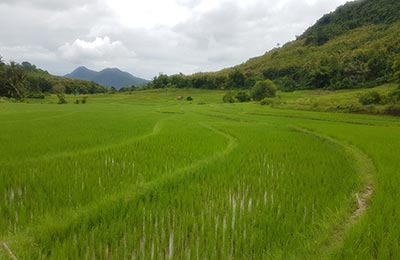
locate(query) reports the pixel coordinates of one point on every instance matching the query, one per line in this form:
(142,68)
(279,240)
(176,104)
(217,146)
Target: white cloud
(99,49)
(149,13)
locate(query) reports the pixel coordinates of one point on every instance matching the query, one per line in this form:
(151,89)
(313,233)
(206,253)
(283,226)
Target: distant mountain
(110,77)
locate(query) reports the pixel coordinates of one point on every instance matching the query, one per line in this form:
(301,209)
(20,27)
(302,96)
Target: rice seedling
(144,176)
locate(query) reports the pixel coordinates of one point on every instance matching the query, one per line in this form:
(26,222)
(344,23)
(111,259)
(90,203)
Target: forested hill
(351,16)
(355,46)
(27,81)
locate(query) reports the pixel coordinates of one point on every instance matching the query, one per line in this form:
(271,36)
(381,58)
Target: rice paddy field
(145,176)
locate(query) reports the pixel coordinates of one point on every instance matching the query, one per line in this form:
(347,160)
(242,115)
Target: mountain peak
(81,68)
(111,70)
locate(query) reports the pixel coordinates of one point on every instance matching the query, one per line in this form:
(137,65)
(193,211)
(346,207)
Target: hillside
(110,77)
(350,16)
(355,46)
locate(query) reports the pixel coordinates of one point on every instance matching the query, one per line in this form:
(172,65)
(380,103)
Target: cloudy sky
(146,37)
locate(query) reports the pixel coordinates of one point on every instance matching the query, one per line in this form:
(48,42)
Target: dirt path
(366,169)
(8,251)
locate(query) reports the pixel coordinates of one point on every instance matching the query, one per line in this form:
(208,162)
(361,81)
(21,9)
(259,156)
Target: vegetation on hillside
(355,46)
(355,14)
(26,81)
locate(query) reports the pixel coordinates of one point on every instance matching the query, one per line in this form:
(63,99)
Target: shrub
(84,100)
(36,96)
(77,101)
(394,96)
(242,97)
(356,108)
(267,102)
(370,98)
(229,97)
(393,110)
(189,98)
(263,89)
(61,99)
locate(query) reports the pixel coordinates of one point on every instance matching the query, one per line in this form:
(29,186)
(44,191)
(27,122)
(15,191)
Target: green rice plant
(144,176)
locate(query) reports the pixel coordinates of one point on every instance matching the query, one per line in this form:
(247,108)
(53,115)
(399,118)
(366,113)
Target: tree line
(25,80)
(235,79)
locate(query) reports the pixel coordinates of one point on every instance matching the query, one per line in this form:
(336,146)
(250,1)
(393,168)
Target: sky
(148,37)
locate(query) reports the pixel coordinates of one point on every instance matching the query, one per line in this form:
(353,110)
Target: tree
(36,83)
(61,98)
(14,80)
(236,79)
(263,89)
(242,96)
(2,78)
(178,80)
(161,81)
(220,81)
(27,66)
(320,77)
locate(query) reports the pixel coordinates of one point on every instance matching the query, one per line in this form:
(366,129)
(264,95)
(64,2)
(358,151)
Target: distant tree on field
(263,89)
(13,81)
(370,98)
(61,98)
(161,81)
(229,97)
(242,96)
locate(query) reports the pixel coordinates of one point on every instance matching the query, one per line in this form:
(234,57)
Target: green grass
(331,101)
(146,176)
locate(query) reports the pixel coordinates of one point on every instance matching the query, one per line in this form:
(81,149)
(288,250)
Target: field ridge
(366,168)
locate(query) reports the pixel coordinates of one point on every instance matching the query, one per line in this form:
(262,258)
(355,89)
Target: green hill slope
(362,57)
(354,46)
(353,15)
